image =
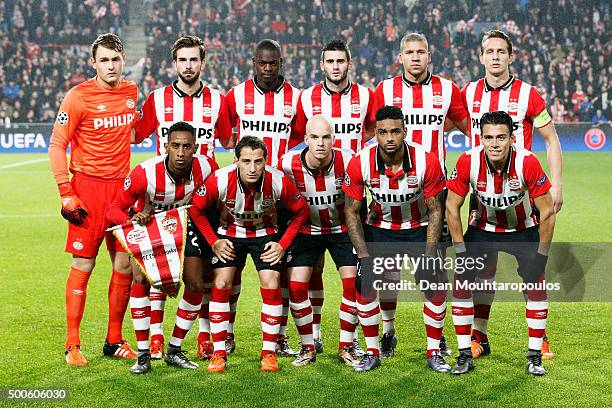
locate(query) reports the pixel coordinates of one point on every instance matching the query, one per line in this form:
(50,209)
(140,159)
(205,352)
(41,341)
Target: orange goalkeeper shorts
(97,195)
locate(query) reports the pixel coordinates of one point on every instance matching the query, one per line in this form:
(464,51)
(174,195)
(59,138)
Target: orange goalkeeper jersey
(96,122)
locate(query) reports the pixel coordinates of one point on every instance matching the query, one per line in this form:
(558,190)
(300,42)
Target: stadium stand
(561,46)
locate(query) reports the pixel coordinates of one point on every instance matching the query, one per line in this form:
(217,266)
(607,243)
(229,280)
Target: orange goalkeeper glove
(73,208)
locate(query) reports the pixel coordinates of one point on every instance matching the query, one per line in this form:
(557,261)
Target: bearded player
(95,120)
(160,184)
(186,99)
(426,101)
(246,195)
(347,106)
(405,184)
(499,90)
(265,107)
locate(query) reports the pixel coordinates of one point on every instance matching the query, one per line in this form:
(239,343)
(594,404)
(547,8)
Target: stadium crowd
(561,46)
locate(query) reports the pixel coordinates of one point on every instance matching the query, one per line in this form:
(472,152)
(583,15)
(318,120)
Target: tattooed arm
(354,226)
(434,229)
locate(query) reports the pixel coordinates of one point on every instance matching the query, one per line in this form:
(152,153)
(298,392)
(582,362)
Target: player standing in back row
(95,119)
(265,107)
(426,100)
(187,99)
(499,90)
(347,106)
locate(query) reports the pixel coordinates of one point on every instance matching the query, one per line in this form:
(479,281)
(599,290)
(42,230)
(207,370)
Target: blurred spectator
(561,46)
(599,118)
(558,111)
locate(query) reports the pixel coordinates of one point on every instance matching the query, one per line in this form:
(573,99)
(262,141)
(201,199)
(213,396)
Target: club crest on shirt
(437,100)
(130,103)
(375,182)
(412,181)
(169,223)
(355,108)
(316,109)
(513,106)
(288,110)
(207,111)
(265,205)
(514,184)
(127,183)
(481,185)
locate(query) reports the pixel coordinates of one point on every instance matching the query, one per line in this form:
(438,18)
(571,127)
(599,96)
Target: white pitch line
(27,215)
(23,163)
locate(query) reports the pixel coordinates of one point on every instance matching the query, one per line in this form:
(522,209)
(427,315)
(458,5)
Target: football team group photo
(286,198)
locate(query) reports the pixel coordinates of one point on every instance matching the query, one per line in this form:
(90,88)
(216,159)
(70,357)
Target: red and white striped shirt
(520,100)
(248,212)
(398,199)
(267,115)
(151,185)
(426,106)
(504,198)
(206,111)
(348,111)
(322,190)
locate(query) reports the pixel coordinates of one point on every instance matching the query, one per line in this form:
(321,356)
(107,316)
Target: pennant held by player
(158,247)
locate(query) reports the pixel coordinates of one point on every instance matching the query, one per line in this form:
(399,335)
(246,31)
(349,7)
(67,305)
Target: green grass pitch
(32,325)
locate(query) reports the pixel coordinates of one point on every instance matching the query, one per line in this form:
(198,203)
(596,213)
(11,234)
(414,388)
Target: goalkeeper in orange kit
(95,120)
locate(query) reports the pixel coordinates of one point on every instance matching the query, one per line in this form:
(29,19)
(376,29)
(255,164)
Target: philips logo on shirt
(416,119)
(264,126)
(325,199)
(201,132)
(476,124)
(113,121)
(346,128)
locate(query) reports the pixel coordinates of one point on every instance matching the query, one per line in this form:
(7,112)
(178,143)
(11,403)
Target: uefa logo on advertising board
(595,139)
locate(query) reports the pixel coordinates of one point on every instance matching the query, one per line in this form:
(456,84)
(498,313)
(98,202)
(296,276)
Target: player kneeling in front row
(405,183)
(246,194)
(318,172)
(160,184)
(508,181)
